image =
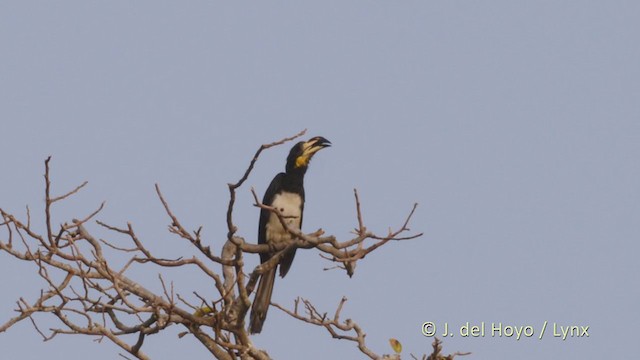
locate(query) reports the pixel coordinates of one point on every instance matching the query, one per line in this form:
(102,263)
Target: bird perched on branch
(286,193)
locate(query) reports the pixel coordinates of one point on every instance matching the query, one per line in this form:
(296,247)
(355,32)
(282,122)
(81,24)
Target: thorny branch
(89,294)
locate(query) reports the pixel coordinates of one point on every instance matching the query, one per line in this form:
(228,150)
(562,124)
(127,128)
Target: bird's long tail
(261,301)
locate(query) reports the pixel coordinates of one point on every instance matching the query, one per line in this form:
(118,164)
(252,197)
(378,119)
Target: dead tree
(90,295)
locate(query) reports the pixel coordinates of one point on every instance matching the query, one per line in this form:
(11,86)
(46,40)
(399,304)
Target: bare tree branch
(89,295)
(336,328)
(437,352)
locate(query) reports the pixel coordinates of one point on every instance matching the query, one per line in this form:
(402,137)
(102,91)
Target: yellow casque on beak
(309,148)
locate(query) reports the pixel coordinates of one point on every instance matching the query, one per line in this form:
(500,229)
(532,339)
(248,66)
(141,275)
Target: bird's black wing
(274,188)
(265,285)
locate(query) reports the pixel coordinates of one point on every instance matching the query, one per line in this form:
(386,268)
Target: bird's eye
(281,209)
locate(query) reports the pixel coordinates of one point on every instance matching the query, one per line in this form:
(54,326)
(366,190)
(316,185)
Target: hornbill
(286,193)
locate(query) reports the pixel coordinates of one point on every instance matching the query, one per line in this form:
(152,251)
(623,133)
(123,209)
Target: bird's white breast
(290,205)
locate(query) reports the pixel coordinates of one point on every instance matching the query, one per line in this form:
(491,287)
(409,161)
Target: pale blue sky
(515,125)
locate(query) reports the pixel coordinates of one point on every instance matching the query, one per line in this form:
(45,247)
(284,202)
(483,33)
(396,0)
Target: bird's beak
(314,145)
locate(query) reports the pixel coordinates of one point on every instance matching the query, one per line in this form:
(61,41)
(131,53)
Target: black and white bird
(286,193)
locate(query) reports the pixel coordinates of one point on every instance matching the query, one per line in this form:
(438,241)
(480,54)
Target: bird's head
(302,152)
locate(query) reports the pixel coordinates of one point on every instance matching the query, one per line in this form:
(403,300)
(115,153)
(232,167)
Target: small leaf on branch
(395,345)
